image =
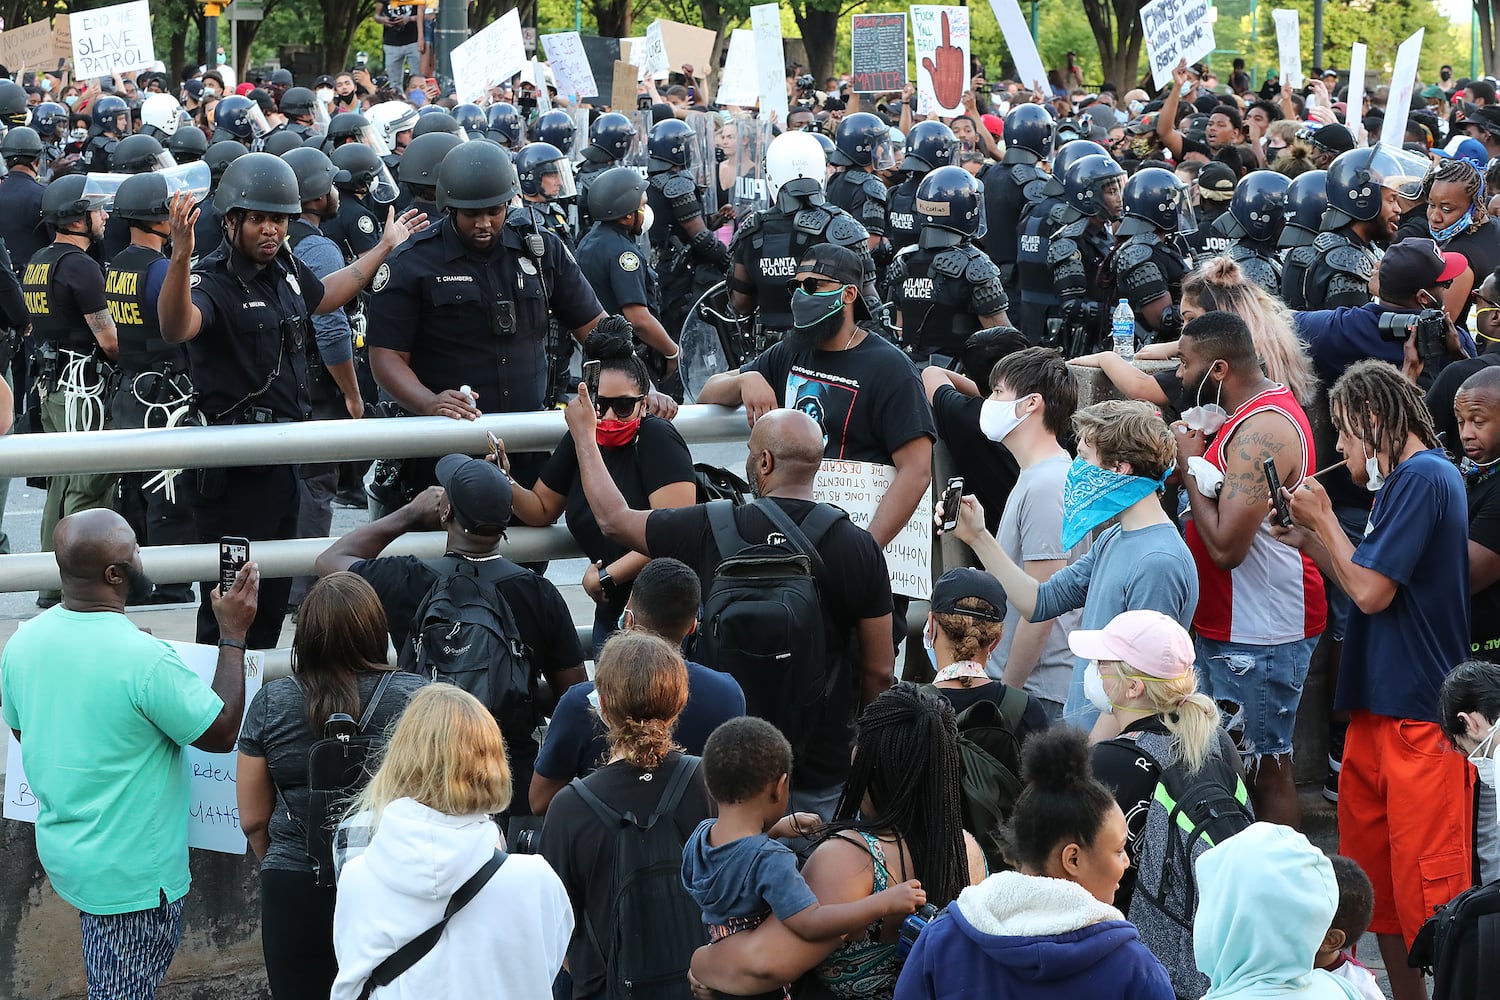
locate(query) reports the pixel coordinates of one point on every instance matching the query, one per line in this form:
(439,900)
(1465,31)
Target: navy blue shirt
(1337,338)
(1418,535)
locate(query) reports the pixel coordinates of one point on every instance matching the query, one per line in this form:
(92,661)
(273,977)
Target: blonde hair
(447,753)
(1191,718)
(1222,284)
(1126,430)
(642,685)
(971,637)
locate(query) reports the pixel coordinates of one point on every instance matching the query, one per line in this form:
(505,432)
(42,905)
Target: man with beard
(1477,408)
(1363,208)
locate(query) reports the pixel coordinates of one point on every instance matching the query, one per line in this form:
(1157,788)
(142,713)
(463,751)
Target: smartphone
(1273,483)
(361,60)
(953,493)
(234,552)
(591,370)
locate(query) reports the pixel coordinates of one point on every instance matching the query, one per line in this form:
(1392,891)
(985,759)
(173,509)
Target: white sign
(570,64)
(737,84)
(1289,47)
(858,488)
(110,40)
(213,810)
(1030,69)
(770,60)
(654,54)
(1354,116)
(940,40)
(1403,80)
(1176,30)
(496,53)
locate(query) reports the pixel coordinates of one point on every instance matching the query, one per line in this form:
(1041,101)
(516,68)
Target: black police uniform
(21,225)
(208,231)
(687,265)
(355,229)
(249,365)
(1208,240)
(1294,265)
(593,163)
(548,215)
(862,195)
(97,151)
(1145,267)
(941,293)
(901,214)
(611,260)
(1077,253)
(1339,271)
(1008,189)
(1259,262)
(1036,298)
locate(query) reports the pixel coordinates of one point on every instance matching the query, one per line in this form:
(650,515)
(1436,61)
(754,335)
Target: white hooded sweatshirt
(507,944)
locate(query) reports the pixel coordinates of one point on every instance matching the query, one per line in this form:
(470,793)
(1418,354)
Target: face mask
(927,645)
(1093,689)
(325,95)
(816,316)
(210,92)
(46,85)
(1209,479)
(1448,232)
(1091,496)
(1372,470)
(997,418)
(140,585)
(1207,418)
(1481,759)
(70,100)
(616,433)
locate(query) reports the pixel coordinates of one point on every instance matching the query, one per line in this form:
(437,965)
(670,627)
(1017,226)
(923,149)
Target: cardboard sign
(1289,47)
(940,40)
(495,53)
(687,45)
(1356,102)
(770,60)
(570,64)
(858,488)
(622,91)
(1176,30)
(1403,81)
(111,40)
(737,84)
(62,37)
(1030,69)
(213,811)
(877,53)
(29,47)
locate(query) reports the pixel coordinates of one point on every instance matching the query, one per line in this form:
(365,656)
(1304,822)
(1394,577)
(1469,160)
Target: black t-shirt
(400,34)
(1033,718)
(1484,529)
(78,285)
(582,851)
(989,469)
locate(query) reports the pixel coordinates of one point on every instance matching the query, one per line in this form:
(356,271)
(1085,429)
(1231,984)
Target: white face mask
(1372,470)
(325,95)
(1206,417)
(1209,479)
(1093,688)
(1481,759)
(998,418)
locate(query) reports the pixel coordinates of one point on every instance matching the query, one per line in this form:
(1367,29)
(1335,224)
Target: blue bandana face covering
(1448,232)
(1091,496)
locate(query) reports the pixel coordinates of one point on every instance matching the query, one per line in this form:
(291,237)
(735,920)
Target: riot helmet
(1085,185)
(471,118)
(929,145)
(357,165)
(1357,181)
(137,154)
(145,197)
(504,125)
(476,175)
(863,140)
(1156,199)
(556,128)
(1303,205)
(1028,134)
(1257,208)
(297,102)
(111,114)
(613,134)
(1066,157)
(616,193)
(796,171)
(670,144)
(20,145)
(537,161)
(258,182)
(949,208)
(220,155)
(419,164)
(161,116)
(314,172)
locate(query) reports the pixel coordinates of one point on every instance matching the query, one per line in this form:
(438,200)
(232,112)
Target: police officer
(209,231)
(1077,251)
(546,179)
(21,226)
(356,228)
(1305,202)
(50,120)
(768,246)
(187,145)
(1015,182)
(111,124)
(15,108)
(945,288)
(1361,218)
(471,118)
(1038,300)
(161,116)
(433,118)
(688,257)
(1253,225)
(556,128)
(505,126)
(155,390)
(862,146)
(467,303)
(232,120)
(297,105)
(76,340)
(393,122)
(134,154)
(929,145)
(1150,261)
(610,138)
(244,314)
(418,170)
(346,127)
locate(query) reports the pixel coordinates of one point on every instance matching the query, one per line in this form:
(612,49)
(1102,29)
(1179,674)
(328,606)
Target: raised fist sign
(948,75)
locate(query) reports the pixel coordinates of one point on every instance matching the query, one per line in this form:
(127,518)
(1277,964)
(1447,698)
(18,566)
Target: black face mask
(816,316)
(140,585)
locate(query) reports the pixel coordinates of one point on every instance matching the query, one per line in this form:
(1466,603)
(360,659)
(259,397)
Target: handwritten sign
(570,64)
(29,45)
(653,57)
(213,810)
(1354,116)
(602,54)
(62,38)
(111,40)
(940,41)
(737,84)
(1403,81)
(1176,30)
(1029,67)
(495,53)
(770,60)
(1289,47)
(877,50)
(858,488)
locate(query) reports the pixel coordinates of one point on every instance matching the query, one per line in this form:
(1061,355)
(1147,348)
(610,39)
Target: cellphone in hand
(1273,483)
(953,494)
(591,370)
(234,552)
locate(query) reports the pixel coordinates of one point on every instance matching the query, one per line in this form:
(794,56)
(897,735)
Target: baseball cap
(957,584)
(1468,149)
(1331,138)
(194,88)
(244,88)
(323,81)
(1216,181)
(478,492)
(838,264)
(1145,123)
(1433,92)
(1415,263)
(1147,641)
(264,99)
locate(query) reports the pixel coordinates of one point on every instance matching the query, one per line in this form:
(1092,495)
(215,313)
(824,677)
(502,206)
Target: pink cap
(1148,641)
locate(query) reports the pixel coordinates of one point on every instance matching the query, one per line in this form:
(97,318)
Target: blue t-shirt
(737,884)
(1418,535)
(576,744)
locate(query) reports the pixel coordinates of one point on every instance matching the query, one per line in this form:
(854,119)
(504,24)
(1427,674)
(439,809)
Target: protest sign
(653,58)
(1356,98)
(623,90)
(940,41)
(877,48)
(1029,67)
(737,84)
(602,54)
(1403,81)
(1176,30)
(1289,47)
(570,64)
(687,45)
(213,811)
(494,53)
(62,38)
(29,47)
(770,60)
(110,40)
(858,488)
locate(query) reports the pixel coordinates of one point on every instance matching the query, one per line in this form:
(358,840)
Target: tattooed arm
(1227,525)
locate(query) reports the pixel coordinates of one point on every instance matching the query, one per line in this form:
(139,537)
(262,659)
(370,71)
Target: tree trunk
(340,19)
(820,36)
(613,16)
(1487,40)
(1116,26)
(712,17)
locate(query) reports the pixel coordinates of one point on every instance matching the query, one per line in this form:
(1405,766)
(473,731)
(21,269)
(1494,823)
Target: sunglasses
(620,406)
(810,285)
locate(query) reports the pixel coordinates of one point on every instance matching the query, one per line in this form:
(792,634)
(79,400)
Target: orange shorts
(1405,801)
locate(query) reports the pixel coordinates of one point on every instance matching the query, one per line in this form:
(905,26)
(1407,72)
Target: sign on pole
(877,49)
(109,40)
(1176,30)
(940,40)
(1403,80)
(1289,47)
(770,60)
(1355,103)
(497,52)
(737,83)
(1030,69)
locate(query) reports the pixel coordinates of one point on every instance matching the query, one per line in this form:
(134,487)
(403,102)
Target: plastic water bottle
(1124,330)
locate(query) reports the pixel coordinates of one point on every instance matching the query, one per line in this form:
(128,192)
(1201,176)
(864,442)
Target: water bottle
(1124,330)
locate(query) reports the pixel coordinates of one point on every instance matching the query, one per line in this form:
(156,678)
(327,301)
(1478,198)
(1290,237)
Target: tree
(1489,35)
(340,19)
(1117,29)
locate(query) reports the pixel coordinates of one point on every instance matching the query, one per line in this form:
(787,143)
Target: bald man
(786,450)
(103,711)
(1476,407)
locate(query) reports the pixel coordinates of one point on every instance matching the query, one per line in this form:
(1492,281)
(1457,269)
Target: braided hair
(1382,406)
(1465,174)
(612,342)
(906,761)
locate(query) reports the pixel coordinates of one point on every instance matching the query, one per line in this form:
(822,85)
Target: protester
(1477,407)
(1486,329)
(1350,921)
(441,775)
(1469,710)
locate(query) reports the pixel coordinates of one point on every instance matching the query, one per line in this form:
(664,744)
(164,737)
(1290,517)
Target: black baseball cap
(1331,138)
(323,81)
(1216,181)
(1417,263)
(478,492)
(838,264)
(957,584)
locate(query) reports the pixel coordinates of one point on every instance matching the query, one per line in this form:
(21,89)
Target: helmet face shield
(883,153)
(557,179)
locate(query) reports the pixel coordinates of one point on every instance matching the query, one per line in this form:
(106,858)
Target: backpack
(989,744)
(656,926)
(1459,945)
(464,633)
(337,771)
(715,483)
(763,619)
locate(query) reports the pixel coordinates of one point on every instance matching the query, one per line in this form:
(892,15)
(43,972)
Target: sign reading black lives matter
(878,53)
(1176,30)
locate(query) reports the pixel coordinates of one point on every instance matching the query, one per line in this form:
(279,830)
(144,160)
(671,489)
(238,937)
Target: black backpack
(716,483)
(989,744)
(337,771)
(464,633)
(1459,945)
(763,620)
(656,926)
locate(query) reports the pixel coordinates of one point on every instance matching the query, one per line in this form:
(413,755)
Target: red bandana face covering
(616,433)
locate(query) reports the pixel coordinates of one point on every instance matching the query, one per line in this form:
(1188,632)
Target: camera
(806,84)
(911,927)
(1429,326)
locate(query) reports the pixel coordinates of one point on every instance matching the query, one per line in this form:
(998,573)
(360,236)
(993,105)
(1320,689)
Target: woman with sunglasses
(646,457)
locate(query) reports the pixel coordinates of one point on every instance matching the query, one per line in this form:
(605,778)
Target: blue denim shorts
(1257,689)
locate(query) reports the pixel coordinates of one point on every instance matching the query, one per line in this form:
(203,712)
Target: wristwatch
(606,586)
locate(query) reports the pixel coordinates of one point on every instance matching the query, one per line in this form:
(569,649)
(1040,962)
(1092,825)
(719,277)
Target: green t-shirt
(104,711)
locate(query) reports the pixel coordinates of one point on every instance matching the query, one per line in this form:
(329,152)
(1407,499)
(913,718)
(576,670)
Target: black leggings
(296,934)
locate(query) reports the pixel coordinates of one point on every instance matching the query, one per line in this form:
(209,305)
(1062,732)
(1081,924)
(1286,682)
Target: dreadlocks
(1382,406)
(1464,174)
(906,760)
